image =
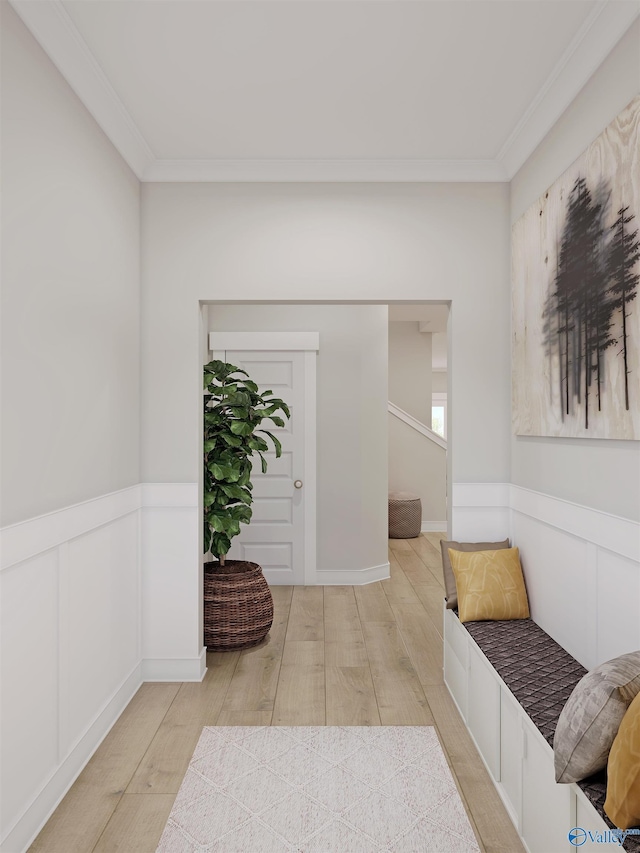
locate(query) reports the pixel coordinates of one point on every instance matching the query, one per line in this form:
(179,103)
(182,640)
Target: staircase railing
(417,425)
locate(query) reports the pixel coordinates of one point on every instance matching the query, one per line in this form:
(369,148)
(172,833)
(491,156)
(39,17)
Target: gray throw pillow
(590,720)
(449,579)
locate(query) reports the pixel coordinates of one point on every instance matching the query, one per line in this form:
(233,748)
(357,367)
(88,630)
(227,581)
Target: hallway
(369,655)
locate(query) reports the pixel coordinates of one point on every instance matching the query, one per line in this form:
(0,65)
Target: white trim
(474,495)
(417,425)
(54,29)
(175,669)
(46,800)
(433,527)
(175,495)
(616,534)
(480,512)
(278,341)
(19,542)
(309,344)
(320,171)
(353,577)
(593,42)
(310,466)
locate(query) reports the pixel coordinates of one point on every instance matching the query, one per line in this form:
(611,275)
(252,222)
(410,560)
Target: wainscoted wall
(583,574)
(76,588)
(480,512)
(582,566)
(172,647)
(99,597)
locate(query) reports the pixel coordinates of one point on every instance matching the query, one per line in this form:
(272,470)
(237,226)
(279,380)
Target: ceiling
(388,90)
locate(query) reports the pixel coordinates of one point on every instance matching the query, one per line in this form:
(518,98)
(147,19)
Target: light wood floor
(367,655)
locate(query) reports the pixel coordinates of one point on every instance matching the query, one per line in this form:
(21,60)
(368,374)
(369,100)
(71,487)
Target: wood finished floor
(346,656)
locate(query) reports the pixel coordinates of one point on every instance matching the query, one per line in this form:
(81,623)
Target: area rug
(328,789)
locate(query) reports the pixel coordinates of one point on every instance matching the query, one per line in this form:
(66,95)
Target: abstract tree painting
(576,300)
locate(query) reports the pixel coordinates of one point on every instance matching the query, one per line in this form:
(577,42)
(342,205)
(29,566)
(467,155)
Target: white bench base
(518,758)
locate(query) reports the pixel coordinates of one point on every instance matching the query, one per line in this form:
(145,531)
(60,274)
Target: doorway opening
(352,426)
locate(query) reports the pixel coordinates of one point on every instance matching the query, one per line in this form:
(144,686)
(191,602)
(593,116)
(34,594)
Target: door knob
(297,484)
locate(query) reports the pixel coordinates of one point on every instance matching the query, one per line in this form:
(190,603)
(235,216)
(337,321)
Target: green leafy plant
(234,409)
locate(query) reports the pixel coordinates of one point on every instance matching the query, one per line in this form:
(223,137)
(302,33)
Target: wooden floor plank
(306,617)
(417,572)
(195,705)
(79,820)
(136,825)
(244,718)
(400,546)
(483,801)
(433,603)
(344,642)
(373,605)
(255,678)
(300,700)
(351,698)
(431,557)
(340,606)
(399,694)
(434,538)
(346,648)
(303,652)
(424,644)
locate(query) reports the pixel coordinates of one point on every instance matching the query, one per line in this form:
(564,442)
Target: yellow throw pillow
(490,585)
(623,771)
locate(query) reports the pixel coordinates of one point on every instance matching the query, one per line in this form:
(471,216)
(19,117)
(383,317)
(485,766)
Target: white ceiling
(327,89)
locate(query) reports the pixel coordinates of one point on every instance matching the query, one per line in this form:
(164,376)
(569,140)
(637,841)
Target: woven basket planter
(238,607)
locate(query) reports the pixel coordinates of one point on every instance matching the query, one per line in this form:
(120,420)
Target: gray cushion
(589,721)
(449,579)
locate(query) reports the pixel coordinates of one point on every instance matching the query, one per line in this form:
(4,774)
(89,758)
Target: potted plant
(238,607)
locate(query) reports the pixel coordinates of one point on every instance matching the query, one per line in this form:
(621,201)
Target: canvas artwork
(576,306)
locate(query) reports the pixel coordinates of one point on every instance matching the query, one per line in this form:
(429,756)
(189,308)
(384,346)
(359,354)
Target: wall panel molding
(28,538)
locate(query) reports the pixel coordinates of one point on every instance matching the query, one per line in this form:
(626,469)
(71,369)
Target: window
(439,414)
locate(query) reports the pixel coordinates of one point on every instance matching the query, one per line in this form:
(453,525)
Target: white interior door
(281,535)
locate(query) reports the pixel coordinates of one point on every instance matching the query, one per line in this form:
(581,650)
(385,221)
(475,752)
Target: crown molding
(593,42)
(54,29)
(51,25)
(382,171)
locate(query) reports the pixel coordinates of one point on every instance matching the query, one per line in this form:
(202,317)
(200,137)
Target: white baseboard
(433,527)
(175,669)
(352,577)
(44,803)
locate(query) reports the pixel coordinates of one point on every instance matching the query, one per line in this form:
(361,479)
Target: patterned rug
(328,789)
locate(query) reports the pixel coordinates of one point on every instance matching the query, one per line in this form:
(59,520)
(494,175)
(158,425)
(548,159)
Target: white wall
(327,243)
(351,422)
(69,579)
(410,369)
(70,295)
(603,474)
(439,382)
(416,464)
(319,243)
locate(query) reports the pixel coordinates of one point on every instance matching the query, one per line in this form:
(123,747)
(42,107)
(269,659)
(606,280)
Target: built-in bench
(510,681)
